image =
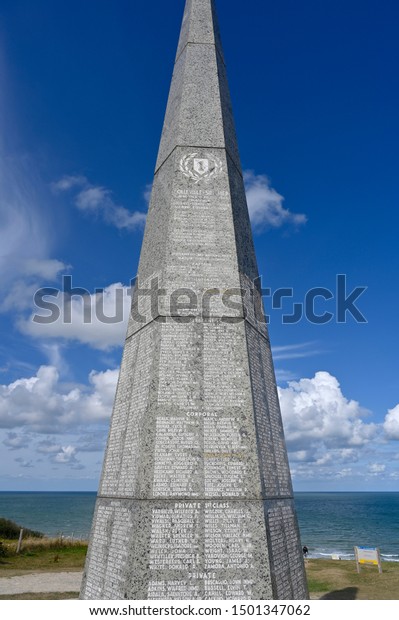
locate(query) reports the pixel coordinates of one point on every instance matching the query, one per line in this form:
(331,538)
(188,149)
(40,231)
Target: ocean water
(336,522)
(51,513)
(329,522)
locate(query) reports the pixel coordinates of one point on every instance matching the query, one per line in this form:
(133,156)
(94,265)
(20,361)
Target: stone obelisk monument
(195,499)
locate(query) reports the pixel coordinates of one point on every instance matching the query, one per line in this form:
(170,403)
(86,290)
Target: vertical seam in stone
(109,435)
(270,550)
(282,437)
(133,370)
(260,459)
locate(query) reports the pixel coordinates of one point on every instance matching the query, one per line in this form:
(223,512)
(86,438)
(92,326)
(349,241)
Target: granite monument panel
(195,499)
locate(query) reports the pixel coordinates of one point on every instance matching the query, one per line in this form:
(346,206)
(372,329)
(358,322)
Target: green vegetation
(10,530)
(40,596)
(42,555)
(318,586)
(339,580)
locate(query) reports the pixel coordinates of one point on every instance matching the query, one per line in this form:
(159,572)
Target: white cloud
(68,182)
(301,456)
(91,442)
(376,468)
(65,456)
(329,437)
(53,351)
(344,473)
(19,297)
(122,218)
(98,200)
(47,446)
(391,423)
(98,404)
(327,434)
(47,269)
(42,404)
(30,276)
(81,318)
(14,441)
(318,416)
(24,463)
(25,239)
(27,224)
(266,205)
(284,375)
(92,198)
(311,472)
(147,193)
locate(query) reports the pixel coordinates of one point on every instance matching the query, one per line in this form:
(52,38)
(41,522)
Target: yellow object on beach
(368,555)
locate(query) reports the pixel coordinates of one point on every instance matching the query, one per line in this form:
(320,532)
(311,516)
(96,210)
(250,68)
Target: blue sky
(83,90)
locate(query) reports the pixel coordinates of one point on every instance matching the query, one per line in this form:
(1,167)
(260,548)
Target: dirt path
(41,582)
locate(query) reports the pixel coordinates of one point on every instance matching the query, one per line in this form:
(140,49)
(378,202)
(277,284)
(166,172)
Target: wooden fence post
(20,540)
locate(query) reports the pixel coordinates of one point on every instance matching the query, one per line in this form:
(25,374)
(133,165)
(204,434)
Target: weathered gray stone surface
(195,500)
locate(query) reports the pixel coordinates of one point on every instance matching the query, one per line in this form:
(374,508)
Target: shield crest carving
(201,166)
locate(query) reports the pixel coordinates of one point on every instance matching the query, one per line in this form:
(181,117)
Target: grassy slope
(333,579)
(46,596)
(46,555)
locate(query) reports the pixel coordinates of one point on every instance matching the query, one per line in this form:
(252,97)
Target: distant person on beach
(305,551)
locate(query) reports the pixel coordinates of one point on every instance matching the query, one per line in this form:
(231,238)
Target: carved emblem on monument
(200,168)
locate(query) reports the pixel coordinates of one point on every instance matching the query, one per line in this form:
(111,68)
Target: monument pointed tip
(200,25)
(199,110)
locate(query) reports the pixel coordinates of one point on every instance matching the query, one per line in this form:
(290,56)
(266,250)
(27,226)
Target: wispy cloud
(283,375)
(98,200)
(265,204)
(47,269)
(295,351)
(147,193)
(69,182)
(28,223)
(25,242)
